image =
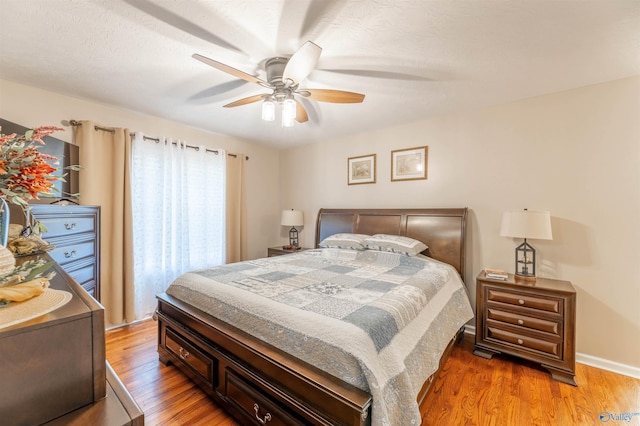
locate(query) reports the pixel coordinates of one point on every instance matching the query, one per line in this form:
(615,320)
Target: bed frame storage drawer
(294,394)
(203,365)
(255,405)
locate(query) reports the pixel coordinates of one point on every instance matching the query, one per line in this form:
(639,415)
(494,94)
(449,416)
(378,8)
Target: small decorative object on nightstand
(292,218)
(280,250)
(526,224)
(531,320)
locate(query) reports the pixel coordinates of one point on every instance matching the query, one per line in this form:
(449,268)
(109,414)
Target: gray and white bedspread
(377,320)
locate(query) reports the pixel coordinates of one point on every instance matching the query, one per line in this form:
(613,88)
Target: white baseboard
(593,361)
(605,364)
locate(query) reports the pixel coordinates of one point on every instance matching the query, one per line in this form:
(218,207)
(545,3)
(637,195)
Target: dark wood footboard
(252,380)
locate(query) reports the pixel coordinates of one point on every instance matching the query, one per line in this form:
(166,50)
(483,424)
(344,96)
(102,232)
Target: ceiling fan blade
(230,70)
(335,96)
(302,63)
(301,113)
(388,75)
(177,21)
(245,101)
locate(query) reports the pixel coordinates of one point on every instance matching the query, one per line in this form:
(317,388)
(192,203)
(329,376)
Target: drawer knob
(267,417)
(520,341)
(70,254)
(520,302)
(70,226)
(520,322)
(183,353)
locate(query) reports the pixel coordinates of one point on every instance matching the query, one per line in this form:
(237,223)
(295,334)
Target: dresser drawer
(90,287)
(83,271)
(255,404)
(68,253)
(202,364)
(549,348)
(69,225)
(548,326)
(547,304)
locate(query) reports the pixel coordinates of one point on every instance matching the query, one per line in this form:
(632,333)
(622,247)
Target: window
(178,203)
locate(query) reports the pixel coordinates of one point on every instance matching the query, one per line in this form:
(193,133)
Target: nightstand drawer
(548,304)
(553,349)
(553,327)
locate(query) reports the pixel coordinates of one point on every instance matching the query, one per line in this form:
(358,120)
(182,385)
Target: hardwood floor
(470,391)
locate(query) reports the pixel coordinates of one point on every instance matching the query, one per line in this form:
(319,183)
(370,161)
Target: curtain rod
(148,138)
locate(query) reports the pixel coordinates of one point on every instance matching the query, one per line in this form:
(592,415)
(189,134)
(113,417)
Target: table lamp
(292,218)
(526,224)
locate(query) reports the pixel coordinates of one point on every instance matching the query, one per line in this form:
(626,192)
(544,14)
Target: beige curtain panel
(105,156)
(236,220)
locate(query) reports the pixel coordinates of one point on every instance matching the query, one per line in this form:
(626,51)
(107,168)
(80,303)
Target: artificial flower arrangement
(25,174)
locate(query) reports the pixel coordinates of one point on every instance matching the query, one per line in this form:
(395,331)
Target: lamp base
(525,278)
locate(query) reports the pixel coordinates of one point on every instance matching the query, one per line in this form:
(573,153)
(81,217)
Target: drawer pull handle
(70,226)
(69,255)
(267,417)
(520,322)
(520,341)
(520,302)
(183,353)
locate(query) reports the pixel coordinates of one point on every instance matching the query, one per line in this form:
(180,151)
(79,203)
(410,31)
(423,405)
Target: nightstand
(279,251)
(531,320)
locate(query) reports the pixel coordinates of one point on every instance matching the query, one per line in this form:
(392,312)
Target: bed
(271,356)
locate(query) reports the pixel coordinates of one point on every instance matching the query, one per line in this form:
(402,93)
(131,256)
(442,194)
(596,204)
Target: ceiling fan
(284,76)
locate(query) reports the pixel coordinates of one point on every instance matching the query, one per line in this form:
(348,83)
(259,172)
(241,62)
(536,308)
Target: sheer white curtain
(178,203)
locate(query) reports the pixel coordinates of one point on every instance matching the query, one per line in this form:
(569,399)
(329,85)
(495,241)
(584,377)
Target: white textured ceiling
(412,58)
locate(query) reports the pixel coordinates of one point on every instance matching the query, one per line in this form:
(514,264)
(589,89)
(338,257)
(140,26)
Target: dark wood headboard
(442,230)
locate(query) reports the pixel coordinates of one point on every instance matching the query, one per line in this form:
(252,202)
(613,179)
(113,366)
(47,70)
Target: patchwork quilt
(378,320)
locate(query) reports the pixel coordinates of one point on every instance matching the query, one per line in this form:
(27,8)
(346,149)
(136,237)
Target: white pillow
(344,241)
(395,243)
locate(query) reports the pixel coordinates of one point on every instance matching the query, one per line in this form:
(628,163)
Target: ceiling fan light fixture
(268,109)
(284,75)
(288,112)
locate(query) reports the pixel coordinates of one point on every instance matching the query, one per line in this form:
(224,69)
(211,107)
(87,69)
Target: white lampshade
(526,224)
(292,218)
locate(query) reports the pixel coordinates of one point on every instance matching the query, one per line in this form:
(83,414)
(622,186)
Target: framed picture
(409,164)
(362,169)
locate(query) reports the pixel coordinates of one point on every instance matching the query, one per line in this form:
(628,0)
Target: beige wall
(30,107)
(574,153)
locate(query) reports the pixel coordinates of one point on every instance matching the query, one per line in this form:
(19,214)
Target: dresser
(75,231)
(531,320)
(54,369)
